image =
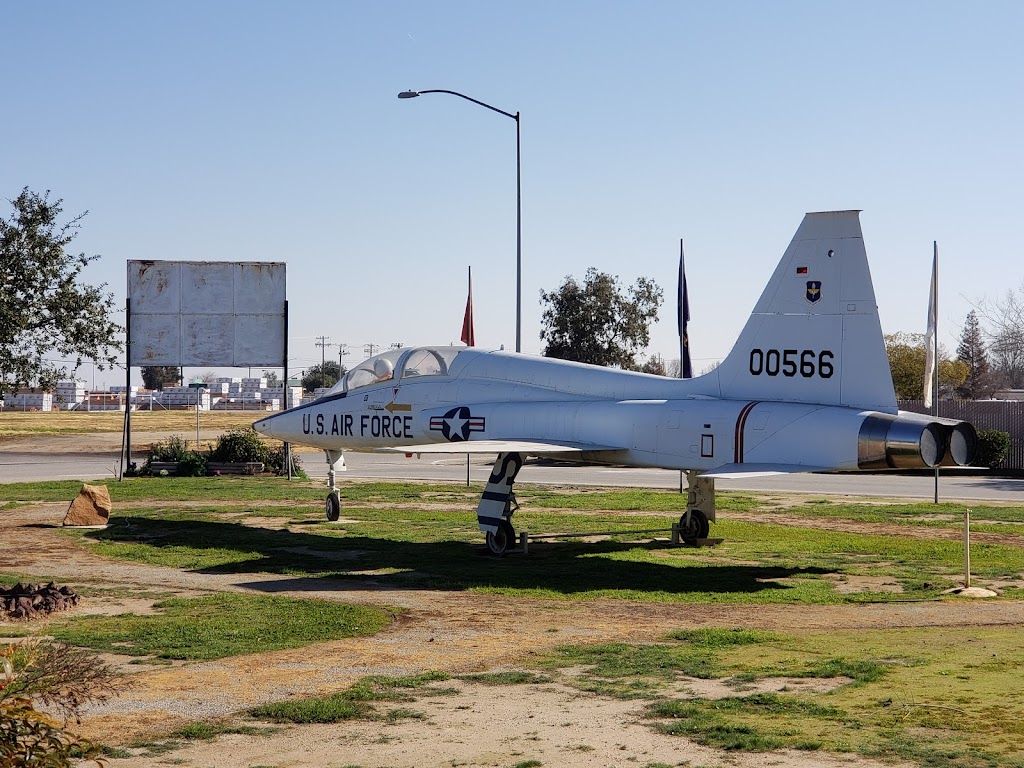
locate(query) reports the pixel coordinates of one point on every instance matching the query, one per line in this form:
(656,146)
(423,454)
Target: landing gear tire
(499,542)
(333,506)
(697,527)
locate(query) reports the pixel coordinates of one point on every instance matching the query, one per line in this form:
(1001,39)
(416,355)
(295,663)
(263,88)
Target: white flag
(929,337)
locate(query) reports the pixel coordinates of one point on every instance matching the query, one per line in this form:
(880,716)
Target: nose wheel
(333,506)
(503,539)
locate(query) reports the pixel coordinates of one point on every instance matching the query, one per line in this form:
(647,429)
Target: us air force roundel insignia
(457,424)
(813,291)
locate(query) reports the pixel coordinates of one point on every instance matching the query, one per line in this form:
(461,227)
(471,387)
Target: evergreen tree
(972,352)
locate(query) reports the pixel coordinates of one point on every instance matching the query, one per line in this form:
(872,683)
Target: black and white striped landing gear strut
(498,504)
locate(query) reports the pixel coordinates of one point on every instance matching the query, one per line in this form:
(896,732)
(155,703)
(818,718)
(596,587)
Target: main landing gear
(700,508)
(504,536)
(498,504)
(693,525)
(332,507)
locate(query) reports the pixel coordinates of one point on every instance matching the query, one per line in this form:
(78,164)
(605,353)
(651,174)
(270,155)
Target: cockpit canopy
(398,364)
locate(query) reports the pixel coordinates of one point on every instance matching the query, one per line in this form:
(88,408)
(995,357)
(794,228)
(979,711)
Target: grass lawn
(215,626)
(425,535)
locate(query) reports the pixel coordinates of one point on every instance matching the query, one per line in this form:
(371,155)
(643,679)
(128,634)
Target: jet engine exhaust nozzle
(962,440)
(895,442)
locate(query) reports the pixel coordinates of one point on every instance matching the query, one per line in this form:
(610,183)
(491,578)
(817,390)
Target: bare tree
(1004,331)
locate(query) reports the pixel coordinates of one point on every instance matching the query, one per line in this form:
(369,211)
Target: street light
(519,201)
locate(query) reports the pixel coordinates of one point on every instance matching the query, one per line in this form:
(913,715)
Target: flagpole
(935,349)
(468,334)
(680,309)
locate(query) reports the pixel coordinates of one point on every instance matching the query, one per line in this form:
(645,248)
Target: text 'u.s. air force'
(345,425)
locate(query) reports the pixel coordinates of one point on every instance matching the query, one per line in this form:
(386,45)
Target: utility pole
(342,353)
(322,343)
(370,348)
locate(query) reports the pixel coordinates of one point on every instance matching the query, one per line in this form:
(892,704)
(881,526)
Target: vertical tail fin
(814,335)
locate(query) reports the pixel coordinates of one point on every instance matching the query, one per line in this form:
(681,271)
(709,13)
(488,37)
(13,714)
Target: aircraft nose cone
(263,426)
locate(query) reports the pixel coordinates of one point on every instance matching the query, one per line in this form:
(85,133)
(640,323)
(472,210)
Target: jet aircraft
(806,388)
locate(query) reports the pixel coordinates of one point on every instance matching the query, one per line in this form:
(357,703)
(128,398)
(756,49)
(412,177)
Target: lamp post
(519,200)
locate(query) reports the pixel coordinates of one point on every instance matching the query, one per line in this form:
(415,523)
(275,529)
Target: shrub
(192,465)
(174,448)
(60,676)
(275,462)
(993,447)
(242,444)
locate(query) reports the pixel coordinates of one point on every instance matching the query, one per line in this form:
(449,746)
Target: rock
(30,601)
(971,592)
(91,507)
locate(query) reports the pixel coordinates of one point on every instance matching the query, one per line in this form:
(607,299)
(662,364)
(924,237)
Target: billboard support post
(284,405)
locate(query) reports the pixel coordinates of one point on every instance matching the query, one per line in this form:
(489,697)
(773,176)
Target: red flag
(468,336)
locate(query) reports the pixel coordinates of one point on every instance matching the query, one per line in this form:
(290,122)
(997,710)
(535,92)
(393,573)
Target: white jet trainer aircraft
(806,388)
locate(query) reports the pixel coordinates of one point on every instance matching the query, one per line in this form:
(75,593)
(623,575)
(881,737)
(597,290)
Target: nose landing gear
(332,507)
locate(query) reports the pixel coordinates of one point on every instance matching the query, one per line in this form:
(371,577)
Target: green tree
(906,363)
(325,375)
(972,352)
(160,376)
(273,380)
(45,311)
(655,364)
(596,322)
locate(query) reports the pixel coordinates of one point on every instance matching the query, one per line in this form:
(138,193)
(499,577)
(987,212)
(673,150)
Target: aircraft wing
(739,471)
(533,447)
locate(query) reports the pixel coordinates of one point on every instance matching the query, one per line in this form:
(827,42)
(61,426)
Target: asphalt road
(27,467)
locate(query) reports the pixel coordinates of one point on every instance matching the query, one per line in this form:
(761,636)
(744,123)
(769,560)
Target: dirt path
(436,630)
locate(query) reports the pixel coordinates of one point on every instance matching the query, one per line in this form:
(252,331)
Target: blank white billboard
(206,313)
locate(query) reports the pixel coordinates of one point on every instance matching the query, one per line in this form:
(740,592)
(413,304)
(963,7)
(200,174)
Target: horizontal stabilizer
(531,447)
(738,471)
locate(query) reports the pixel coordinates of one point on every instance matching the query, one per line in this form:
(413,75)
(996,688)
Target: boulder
(91,507)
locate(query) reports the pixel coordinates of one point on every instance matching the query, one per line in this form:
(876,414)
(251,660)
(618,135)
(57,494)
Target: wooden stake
(967,548)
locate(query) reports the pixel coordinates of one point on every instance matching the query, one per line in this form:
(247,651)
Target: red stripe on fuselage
(741,423)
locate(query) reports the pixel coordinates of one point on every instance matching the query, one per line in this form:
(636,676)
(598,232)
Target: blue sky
(272,131)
